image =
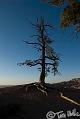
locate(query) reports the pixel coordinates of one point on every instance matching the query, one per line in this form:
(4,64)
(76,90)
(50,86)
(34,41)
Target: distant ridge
(4,86)
(74,84)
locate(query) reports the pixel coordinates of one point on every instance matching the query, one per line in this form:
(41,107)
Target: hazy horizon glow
(15,18)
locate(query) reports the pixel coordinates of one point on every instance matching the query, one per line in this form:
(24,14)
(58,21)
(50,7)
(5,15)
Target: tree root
(39,87)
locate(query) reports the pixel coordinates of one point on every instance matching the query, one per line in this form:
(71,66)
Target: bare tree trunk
(42,75)
(42,78)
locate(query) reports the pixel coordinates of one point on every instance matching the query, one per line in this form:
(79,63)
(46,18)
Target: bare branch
(30,63)
(32,43)
(48,25)
(49,64)
(50,58)
(35,35)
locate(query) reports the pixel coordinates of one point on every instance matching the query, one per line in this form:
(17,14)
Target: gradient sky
(15,18)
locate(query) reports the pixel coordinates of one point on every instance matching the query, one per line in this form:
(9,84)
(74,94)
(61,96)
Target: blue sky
(15,18)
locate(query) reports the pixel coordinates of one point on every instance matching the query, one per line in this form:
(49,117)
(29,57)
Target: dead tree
(48,60)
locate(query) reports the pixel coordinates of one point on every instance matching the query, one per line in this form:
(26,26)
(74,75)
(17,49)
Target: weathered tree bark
(42,75)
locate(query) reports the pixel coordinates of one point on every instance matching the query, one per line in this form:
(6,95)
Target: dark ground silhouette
(17,102)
